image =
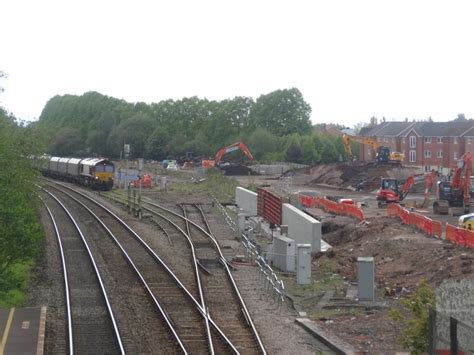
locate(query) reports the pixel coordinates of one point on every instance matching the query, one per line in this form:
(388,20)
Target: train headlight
(97,178)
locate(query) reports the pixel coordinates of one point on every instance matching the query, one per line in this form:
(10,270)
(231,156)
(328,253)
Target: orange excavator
(457,192)
(391,192)
(221,152)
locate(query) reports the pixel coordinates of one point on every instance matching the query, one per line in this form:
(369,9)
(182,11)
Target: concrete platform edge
(41,332)
(331,341)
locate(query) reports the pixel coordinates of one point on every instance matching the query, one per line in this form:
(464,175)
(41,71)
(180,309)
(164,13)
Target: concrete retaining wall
(247,200)
(302,228)
(270,169)
(454,298)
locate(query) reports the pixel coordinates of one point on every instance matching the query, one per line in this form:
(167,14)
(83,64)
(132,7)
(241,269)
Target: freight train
(97,173)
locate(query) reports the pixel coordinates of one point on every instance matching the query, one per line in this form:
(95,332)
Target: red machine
(390,191)
(457,192)
(146,182)
(221,152)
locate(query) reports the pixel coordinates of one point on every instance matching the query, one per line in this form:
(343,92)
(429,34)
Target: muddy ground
(403,255)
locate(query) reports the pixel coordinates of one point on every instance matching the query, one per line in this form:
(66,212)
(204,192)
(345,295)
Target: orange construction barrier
(424,223)
(437,229)
(332,206)
(460,236)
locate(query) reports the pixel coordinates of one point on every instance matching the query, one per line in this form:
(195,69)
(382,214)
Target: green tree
(66,142)
(282,112)
(262,143)
(20,231)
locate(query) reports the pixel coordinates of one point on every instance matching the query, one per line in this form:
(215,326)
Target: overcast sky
(350,59)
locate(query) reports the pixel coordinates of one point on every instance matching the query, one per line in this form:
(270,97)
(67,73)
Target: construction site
(407,240)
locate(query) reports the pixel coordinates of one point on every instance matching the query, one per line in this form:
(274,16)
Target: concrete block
(365,278)
(303,228)
(247,200)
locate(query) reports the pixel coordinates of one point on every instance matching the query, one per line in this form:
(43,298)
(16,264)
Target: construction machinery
(217,161)
(392,191)
(455,195)
(383,154)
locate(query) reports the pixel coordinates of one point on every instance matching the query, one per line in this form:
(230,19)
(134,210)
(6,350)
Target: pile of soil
(403,256)
(350,175)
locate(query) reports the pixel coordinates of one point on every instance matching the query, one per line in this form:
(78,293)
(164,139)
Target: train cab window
(99,168)
(109,168)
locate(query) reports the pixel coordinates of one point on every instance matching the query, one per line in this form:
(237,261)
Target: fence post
(453,331)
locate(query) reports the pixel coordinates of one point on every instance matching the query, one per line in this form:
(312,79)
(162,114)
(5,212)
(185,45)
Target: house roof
(424,129)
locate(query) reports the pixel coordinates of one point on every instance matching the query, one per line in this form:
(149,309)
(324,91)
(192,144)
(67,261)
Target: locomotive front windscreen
(104,169)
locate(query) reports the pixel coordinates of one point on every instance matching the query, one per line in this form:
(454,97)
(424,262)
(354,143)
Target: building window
(455,155)
(427,153)
(455,140)
(440,140)
(412,156)
(412,142)
(427,168)
(440,154)
(427,139)
(468,140)
(385,139)
(403,140)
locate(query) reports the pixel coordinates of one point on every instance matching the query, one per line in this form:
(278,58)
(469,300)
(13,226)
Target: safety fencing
(332,206)
(425,224)
(269,205)
(270,280)
(460,236)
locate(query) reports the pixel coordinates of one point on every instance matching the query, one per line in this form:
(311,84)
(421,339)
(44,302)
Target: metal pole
(453,330)
(140,198)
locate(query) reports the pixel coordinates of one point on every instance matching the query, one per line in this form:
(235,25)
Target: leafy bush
(414,318)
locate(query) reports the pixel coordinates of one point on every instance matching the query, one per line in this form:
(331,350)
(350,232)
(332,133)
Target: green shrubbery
(20,231)
(413,318)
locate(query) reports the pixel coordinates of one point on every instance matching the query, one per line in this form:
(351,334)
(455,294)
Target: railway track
(219,291)
(183,314)
(90,325)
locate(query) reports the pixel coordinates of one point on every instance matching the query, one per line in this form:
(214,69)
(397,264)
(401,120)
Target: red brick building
(428,145)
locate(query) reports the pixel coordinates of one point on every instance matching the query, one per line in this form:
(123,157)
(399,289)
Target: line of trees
(275,126)
(20,231)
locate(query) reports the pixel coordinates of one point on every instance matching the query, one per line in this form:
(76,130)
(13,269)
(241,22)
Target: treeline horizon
(275,127)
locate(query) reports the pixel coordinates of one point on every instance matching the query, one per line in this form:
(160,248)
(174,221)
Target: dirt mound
(403,256)
(353,174)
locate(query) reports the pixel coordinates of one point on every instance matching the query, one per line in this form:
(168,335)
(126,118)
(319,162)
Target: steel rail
(201,310)
(132,264)
(66,282)
(229,274)
(99,277)
(198,280)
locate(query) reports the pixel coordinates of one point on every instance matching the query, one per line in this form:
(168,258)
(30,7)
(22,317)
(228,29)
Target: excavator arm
(462,177)
(347,138)
(236,146)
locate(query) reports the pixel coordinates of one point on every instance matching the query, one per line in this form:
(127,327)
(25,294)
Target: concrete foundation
(246,200)
(302,228)
(454,298)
